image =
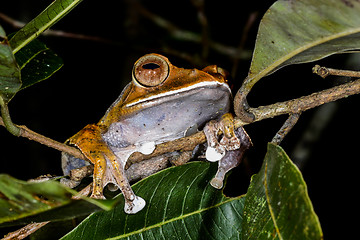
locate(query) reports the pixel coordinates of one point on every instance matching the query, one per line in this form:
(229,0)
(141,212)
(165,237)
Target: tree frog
(160,104)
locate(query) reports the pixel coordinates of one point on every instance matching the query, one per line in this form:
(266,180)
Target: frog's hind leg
(133,203)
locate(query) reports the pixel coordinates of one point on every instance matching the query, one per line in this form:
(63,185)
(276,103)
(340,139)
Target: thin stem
(286,128)
(31,135)
(188,143)
(25,231)
(6,119)
(324,72)
(307,102)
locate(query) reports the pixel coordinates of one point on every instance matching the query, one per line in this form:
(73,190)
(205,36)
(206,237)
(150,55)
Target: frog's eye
(150,70)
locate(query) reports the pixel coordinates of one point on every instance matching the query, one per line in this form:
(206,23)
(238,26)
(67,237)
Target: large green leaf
(303,31)
(181,204)
(24,202)
(277,205)
(53,13)
(37,62)
(10,81)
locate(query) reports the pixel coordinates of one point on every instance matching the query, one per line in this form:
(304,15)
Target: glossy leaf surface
(10,81)
(277,205)
(181,204)
(37,62)
(301,31)
(53,13)
(24,202)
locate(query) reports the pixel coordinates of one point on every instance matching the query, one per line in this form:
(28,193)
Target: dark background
(95,72)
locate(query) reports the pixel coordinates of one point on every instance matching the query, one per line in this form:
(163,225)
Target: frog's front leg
(107,168)
(232,158)
(216,150)
(229,150)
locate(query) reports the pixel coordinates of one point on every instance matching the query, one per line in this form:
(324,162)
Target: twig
(6,122)
(200,7)
(185,35)
(293,107)
(307,102)
(25,231)
(188,143)
(324,72)
(31,135)
(286,128)
(58,33)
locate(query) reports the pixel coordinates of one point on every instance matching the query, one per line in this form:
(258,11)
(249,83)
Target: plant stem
(188,143)
(286,128)
(307,102)
(9,125)
(324,72)
(31,135)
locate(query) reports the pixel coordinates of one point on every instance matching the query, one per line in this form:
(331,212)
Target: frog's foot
(231,159)
(216,150)
(134,206)
(107,167)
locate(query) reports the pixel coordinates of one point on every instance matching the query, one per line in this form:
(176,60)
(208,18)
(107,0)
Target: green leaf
(37,62)
(277,204)
(10,82)
(181,204)
(301,31)
(53,13)
(24,202)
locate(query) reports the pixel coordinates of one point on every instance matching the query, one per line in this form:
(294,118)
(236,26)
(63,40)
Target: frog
(161,103)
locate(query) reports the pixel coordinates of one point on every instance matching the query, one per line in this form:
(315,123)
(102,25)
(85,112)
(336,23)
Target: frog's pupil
(150,66)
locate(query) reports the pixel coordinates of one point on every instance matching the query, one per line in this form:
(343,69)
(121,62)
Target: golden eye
(151,70)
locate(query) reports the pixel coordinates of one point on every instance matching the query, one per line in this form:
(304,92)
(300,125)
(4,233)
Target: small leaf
(277,204)
(24,202)
(37,62)
(301,31)
(181,204)
(53,13)
(10,82)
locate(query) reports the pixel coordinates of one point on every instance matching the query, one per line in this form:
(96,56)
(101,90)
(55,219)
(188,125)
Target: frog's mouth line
(198,86)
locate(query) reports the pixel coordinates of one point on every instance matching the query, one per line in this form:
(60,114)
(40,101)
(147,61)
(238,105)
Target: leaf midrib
(176,218)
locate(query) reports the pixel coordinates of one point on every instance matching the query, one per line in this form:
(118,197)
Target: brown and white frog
(160,104)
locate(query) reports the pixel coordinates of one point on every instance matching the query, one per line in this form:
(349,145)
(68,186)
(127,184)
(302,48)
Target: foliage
(276,205)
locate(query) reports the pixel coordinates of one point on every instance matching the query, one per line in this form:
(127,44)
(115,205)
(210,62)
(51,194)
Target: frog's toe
(231,143)
(132,207)
(214,154)
(147,148)
(217,182)
(97,196)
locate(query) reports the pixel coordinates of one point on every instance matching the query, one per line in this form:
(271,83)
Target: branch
(58,33)
(301,104)
(293,107)
(25,231)
(297,105)
(31,135)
